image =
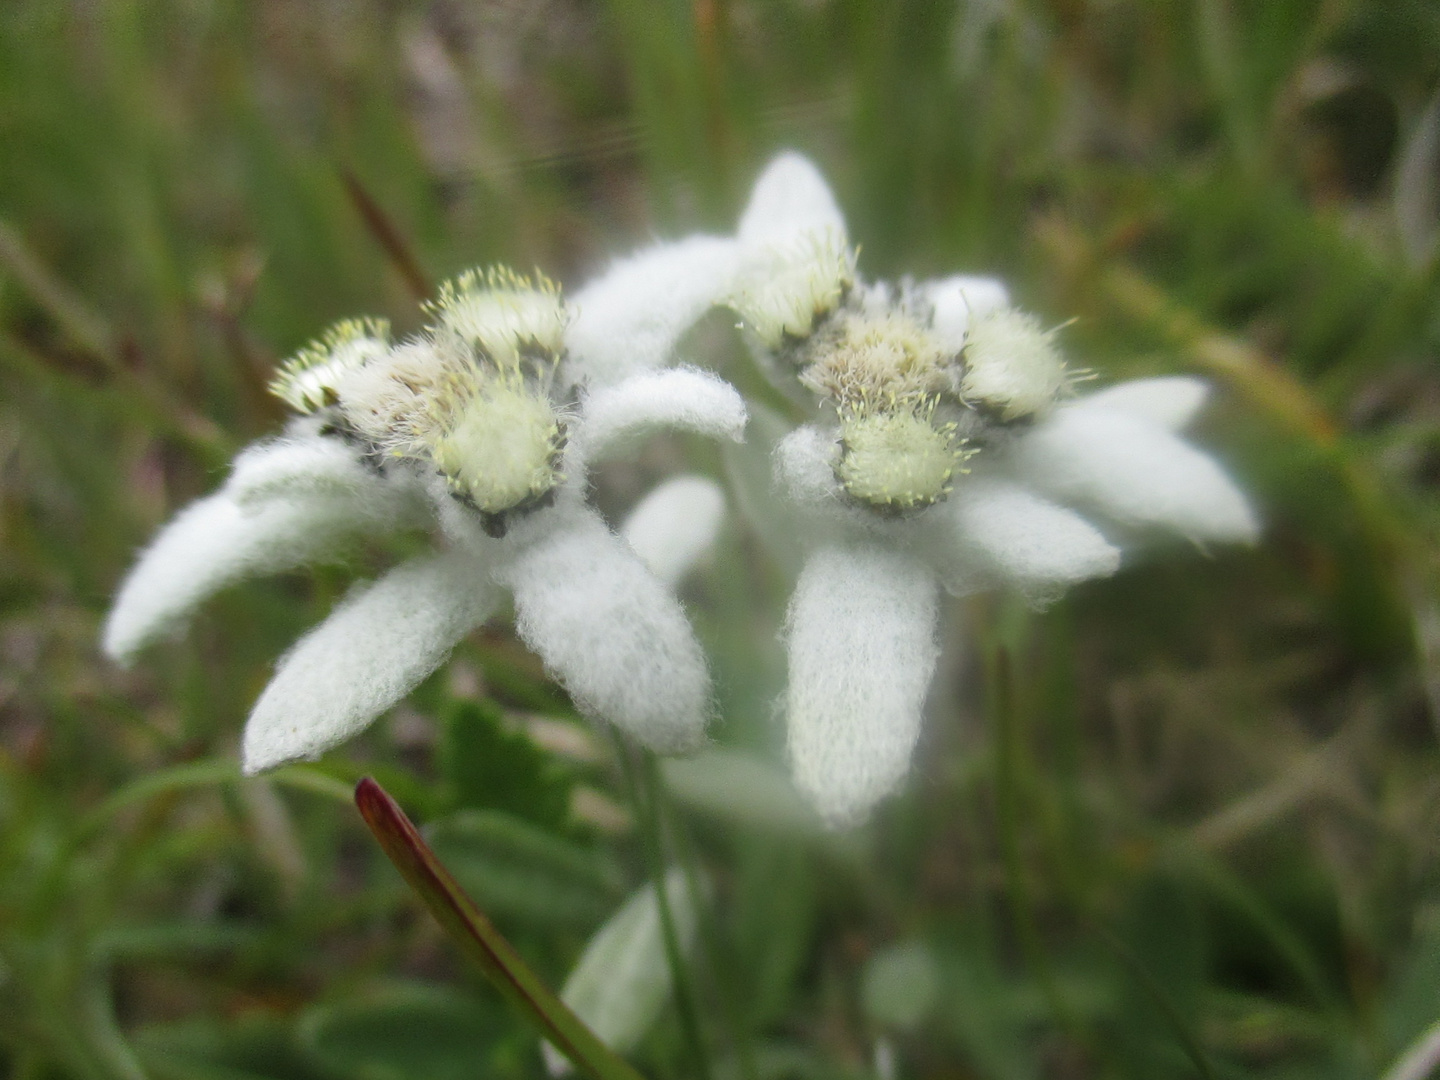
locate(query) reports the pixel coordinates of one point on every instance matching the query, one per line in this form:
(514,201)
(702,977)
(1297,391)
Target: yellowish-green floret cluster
(500,448)
(505,316)
(910,406)
(1012,365)
(897,460)
(789,287)
(472,395)
(310,379)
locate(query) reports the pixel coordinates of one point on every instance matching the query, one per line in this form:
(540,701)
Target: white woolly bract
(790,197)
(623,978)
(298,467)
(958,301)
(1168,400)
(684,398)
(1011,364)
(216,542)
(788,285)
(1136,472)
(610,632)
(675,526)
(500,446)
(861,641)
(374,649)
(630,318)
(1023,540)
(805,465)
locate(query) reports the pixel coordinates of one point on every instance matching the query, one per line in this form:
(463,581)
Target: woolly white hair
(298,466)
(789,197)
(607,626)
(1171,401)
(957,301)
(372,651)
(611,633)
(681,398)
(629,319)
(1025,540)
(861,635)
(1135,472)
(675,526)
(1012,364)
(286,504)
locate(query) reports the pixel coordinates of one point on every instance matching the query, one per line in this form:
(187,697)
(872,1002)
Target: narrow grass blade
(388,235)
(479,939)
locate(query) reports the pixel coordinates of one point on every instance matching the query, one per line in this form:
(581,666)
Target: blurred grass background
(1183,823)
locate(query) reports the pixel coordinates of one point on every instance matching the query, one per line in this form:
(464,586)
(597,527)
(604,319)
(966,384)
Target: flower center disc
(896,460)
(503,449)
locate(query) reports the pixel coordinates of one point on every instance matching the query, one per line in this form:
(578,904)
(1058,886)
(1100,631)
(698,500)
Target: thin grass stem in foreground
(477,937)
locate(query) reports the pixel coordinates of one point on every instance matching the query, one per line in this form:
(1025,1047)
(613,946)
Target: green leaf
(402,1031)
(901,985)
(623,978)
(518,870)
(491,768)
(254,1048)
(741,789)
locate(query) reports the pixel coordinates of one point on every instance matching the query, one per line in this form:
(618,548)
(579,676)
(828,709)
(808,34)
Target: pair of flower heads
(948,450)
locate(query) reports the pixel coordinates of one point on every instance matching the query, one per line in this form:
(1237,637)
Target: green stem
(1162,1000)
(714,948)
(1007,785)
(101,1030)
(468,927)
(643,787)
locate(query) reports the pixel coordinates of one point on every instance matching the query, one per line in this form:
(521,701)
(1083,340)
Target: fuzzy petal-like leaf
(372,651)
(215,542)
(790,197)
(805,465)
(960,299)
(301,467)
(630,318)
(861,638)
(1135,472)
(683,398)
(1168,400)
(611,632)
(675,526)
(1016,537)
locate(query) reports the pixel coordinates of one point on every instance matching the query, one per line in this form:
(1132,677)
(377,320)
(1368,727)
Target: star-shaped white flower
(481,430)
(948,450)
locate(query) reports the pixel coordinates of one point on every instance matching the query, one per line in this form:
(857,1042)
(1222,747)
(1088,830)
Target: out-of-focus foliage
(1182,823)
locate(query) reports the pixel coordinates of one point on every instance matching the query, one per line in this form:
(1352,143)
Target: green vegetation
(1181,823)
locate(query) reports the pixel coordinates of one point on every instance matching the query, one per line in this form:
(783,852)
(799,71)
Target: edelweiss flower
(948,450)
(482,428)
